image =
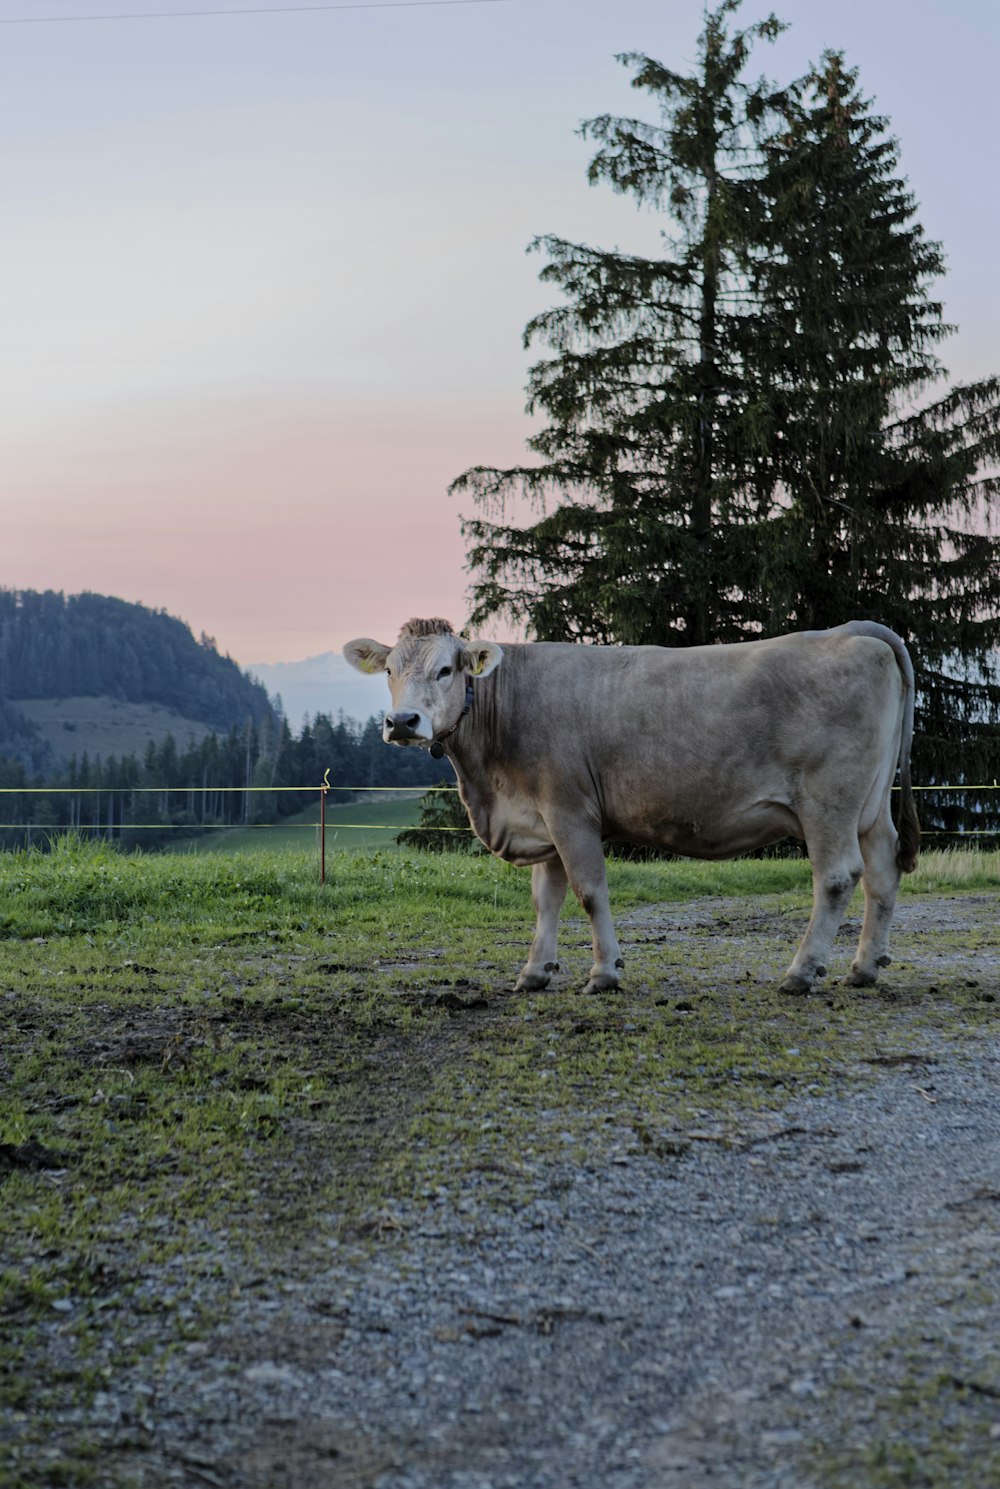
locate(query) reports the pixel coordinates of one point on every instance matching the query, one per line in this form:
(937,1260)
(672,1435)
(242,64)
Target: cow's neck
(480,736)
(438,747)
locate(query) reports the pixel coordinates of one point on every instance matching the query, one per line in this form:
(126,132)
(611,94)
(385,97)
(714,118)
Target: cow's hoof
(603,982)
(795,984)
(532,982)
(858,977)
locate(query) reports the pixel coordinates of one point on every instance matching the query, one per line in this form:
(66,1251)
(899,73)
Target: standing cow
(707,751)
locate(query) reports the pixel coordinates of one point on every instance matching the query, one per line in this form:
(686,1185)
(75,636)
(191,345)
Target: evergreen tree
(870,504)
(646,446)
(443,826)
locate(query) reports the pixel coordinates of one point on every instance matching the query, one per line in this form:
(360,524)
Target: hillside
(92,673)
(104,726)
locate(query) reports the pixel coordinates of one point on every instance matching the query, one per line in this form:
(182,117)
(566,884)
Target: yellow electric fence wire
(312,790)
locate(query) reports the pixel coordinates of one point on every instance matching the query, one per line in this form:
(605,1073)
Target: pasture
(365,825)
(218,1076)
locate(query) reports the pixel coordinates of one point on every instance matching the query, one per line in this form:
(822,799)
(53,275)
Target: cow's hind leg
(836,871)
(548,890)
(880,881)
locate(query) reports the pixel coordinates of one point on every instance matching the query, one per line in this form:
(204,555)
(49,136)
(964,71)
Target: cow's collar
(437,748)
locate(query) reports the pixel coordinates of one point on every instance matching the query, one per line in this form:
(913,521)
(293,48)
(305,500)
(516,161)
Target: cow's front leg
(583,854)
(548,890)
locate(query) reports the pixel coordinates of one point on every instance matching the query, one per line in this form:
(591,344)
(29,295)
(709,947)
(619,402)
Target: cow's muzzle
(401,728)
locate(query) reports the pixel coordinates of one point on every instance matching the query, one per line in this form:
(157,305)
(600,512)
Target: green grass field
(364,825)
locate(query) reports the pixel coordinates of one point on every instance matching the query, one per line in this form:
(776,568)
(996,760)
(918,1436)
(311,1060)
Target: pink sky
(265,278)
(290,529)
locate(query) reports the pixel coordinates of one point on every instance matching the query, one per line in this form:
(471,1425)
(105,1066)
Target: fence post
(322,825)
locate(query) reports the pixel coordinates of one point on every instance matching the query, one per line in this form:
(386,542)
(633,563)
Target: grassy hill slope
(107,726)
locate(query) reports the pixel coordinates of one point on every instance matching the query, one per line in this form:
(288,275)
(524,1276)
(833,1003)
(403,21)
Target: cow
(705,751)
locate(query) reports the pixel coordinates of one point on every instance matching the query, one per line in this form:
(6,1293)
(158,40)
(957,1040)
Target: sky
(265,274)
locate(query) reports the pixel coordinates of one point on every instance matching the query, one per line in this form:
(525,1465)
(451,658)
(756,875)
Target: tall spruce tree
(743,435)
(872,502)
(643,398)
(846,331)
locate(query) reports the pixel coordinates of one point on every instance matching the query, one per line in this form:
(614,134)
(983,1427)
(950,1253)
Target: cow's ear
(481,657)
(367,655)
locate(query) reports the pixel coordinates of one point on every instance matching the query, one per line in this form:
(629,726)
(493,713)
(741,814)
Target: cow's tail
(908,826)
(908,823)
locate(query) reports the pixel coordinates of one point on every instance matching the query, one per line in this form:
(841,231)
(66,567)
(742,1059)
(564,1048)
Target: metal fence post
(322,825)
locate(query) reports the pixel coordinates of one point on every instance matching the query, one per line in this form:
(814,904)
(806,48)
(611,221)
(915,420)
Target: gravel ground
(767,1305)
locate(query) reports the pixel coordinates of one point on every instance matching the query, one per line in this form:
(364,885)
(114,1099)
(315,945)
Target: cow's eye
(445,672)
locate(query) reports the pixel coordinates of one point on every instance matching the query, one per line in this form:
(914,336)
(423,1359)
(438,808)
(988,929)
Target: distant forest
(150,802)
(53,646)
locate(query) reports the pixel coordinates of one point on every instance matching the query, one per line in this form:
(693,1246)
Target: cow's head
(429,671)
